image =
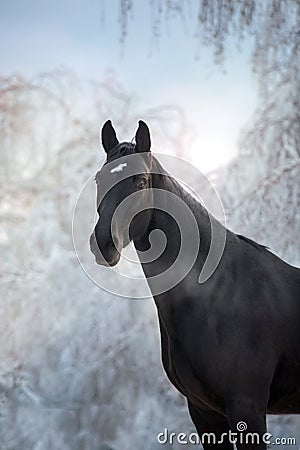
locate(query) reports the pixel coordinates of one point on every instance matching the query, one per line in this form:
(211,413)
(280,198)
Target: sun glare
(210,152)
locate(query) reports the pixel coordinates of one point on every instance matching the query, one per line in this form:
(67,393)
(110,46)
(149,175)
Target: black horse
(231,345)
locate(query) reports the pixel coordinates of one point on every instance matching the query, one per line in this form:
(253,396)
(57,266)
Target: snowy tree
(272,25)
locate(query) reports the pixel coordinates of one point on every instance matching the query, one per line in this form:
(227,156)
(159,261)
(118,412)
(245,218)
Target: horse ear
(142,138)
(108,136)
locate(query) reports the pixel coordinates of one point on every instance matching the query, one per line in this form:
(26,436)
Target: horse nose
(96,251)
(107,251)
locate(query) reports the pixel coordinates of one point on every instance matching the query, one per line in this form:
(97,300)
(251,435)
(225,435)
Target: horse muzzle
(109,256)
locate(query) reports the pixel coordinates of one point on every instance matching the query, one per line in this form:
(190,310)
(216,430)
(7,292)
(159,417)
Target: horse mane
(253,243)
(169,181)
(197,207)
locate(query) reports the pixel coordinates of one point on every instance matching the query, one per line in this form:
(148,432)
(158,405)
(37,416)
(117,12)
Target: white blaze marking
(118,168)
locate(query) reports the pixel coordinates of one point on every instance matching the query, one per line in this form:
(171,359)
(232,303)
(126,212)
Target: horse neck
(160,220)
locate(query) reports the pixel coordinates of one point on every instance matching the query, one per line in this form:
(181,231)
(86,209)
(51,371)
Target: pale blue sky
(43,35)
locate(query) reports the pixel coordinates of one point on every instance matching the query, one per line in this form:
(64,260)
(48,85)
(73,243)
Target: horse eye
(142,184)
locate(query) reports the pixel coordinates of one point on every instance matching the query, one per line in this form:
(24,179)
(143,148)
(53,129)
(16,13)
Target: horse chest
(181,372)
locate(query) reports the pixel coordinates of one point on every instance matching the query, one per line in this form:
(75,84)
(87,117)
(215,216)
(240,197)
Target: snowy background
(80,369)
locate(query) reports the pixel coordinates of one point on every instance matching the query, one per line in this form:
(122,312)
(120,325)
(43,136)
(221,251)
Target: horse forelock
(121,149)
